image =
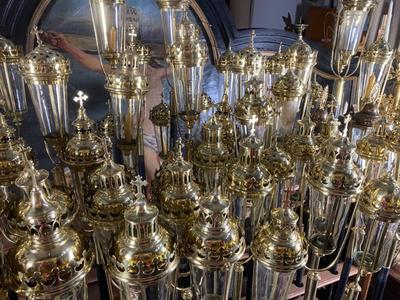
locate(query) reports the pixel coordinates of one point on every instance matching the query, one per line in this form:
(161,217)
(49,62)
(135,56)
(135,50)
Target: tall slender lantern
(109,18)
(224,115)
(302,57)
(46,73)
(334,183)
(279,250)
(143,258)
(349,28)
(52,260)
(252,110)
(224,66)
(187,57)
(376,61)
(170,11)
(11,82)
(213,246)
(211,157)
(83,153)
(248,185)
(127,86)
(377,221)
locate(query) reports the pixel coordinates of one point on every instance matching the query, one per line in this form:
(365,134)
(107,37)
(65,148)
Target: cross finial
(253,122)
(132,32)
(252,37)
(300,28)
(37,32)
(80,97)
(230,45)
(139,183)
(346,122)
(280,47)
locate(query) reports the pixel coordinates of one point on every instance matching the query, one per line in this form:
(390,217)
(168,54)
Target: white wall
(268,13)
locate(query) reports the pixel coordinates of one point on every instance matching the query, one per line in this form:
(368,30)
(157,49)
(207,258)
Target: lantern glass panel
(328,215)
(349,32)
(270,285)
(210,284)
(159,290)
(78,292)
(12,88)
(127,117)
(367,69)
(374,238)
(163,134)
(188,89)
(109,23)
(51,107)
(168,21)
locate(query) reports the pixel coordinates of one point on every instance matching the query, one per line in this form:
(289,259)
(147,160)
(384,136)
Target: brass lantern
(160,116)
(14,212)
(288,91)
(211,157)
(52,260)
(180,199)
(302,57)
(224,66)
(12,85)
(252,110)
(83,153)
(187,57)
(348,33)
(372,152)
(214,244)
(109,19)
(375,61)
(106,207)
(170,11)
(247,63)
(161,180)
(46,73)
(127,87)
(224,116)
(279,250)
(378,217)
(334,183)
(274,67)
(143,258)
(248,185)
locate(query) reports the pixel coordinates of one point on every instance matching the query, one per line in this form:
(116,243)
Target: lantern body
(327,219)
(269,284)
(188,90)
(51,108)
(350,26)
(108,18)
(210,284)
(12,88)
(373,241)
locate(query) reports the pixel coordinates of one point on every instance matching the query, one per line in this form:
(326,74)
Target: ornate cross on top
(346,122)
(178,149)
(37,32)
(253,122)
(139,183)
(132,33)
(300,28)
(80,97)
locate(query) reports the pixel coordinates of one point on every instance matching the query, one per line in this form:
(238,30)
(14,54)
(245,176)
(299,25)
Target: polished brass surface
(44,65)
(248,61)
(288,88)
(160,115)
(215,241)
(374,145)
(279,245)
(143,252)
